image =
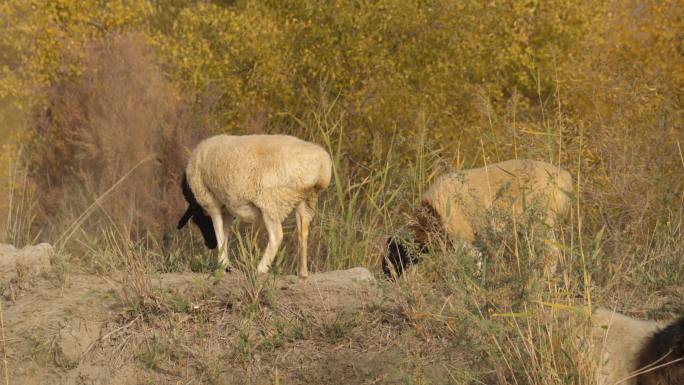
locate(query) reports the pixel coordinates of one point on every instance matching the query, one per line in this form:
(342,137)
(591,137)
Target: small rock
(20,263)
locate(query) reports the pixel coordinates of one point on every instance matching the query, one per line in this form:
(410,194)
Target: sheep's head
(199,218)
(400,256)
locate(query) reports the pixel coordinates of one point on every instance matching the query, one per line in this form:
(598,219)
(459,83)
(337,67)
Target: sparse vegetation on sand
(100,103)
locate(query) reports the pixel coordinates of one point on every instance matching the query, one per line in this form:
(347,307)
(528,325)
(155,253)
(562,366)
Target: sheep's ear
(206,226)
(186,217)
(400,256)
(393,263)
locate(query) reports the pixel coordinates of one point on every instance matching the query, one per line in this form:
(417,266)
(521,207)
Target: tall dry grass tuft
(543,345)
(18,224)
(137,294)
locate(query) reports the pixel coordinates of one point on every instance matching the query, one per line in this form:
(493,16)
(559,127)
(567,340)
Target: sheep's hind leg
(303,213)
(227,232)
(275,237)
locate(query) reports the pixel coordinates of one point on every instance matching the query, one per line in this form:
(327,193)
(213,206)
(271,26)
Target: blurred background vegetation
(100,103)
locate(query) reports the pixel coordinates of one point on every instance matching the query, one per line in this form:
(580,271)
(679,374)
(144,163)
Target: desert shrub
(514,252)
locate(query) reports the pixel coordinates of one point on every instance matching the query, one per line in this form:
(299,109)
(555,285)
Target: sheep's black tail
(661,360)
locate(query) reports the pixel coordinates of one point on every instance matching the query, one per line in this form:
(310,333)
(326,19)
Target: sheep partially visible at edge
(634,352)
(452,201)
(258,179)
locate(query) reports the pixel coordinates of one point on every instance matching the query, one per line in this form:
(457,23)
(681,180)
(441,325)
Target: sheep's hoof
(303,274)
(262,270)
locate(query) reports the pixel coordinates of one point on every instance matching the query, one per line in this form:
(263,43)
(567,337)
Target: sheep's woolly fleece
(457,203)
(258,179)
(457,196)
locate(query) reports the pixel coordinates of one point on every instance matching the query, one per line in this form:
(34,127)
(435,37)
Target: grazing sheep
(455,201)
(634,352)
(258,179)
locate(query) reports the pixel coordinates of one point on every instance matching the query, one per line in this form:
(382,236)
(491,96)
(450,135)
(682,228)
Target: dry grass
(20,211)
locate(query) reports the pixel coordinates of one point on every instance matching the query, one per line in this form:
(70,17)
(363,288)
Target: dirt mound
(227,328)
(37,255)
(323,292)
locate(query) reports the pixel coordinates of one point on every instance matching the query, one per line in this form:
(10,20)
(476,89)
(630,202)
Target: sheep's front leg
(217,220)
(553,253)
(303,214)
(552,257)
(275,237)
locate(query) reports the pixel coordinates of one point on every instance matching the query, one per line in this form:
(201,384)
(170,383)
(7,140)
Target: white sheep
(456,202)
(258,179)
(625,347)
